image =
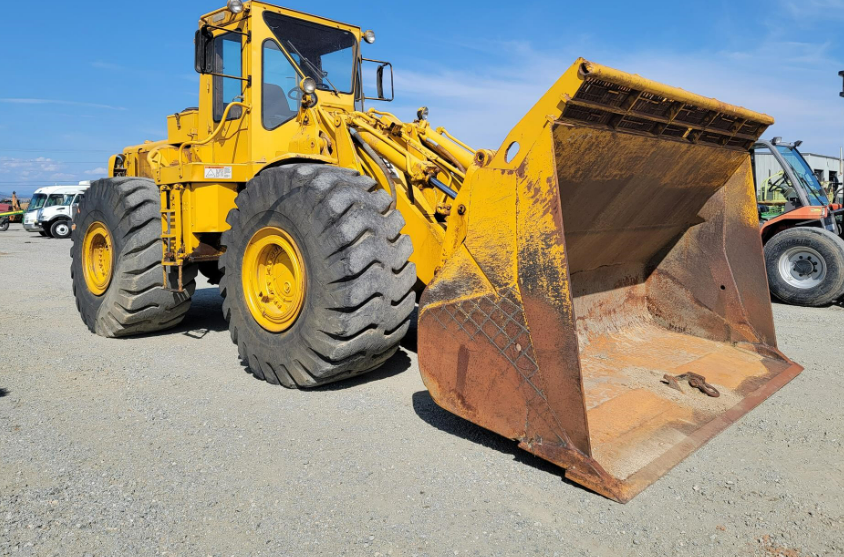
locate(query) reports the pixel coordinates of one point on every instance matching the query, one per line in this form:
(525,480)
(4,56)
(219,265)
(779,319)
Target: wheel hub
(802,267)
(273,275)
(97,258)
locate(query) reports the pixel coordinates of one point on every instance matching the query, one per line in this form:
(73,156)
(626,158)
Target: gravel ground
(163,445)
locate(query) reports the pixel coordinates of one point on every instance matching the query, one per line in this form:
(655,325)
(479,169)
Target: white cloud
(28,166)
(106,66)
(797,84)
(813,9)
(99,171)
(60,102)
(41,170)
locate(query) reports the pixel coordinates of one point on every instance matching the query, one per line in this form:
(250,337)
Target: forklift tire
(4,224)
(120,218)
(336,256)
(805,266)
(60,229)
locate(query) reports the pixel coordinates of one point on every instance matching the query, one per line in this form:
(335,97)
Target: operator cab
(786,186)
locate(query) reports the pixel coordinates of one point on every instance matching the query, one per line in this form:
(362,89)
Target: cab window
(327,54)
(37,201)
(57,199)
(280,89)
(228,60)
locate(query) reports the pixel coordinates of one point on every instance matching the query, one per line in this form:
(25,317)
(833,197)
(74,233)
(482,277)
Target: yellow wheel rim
(273,275)
(97,258)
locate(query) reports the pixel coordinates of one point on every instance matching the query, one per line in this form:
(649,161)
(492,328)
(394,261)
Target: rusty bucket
(607,304)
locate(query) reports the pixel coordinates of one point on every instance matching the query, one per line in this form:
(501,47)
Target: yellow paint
(97,258)
(274,281)
(183,127)
(204,209)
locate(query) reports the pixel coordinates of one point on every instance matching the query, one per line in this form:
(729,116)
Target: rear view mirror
(204,51)
(380,84)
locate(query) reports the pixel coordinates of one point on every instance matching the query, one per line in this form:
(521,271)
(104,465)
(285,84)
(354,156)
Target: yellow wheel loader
(594,289)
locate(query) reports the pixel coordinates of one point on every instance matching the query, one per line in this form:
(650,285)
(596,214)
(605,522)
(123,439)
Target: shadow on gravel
(205,315)
(4,392)
(836,304)
(400,362)
(409,340)
(433,415)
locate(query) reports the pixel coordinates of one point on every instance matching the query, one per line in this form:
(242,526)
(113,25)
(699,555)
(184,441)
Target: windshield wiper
(322,75)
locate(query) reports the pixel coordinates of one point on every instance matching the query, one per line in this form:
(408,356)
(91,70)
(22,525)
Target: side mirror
(204,51)
(380,84)
(841,73)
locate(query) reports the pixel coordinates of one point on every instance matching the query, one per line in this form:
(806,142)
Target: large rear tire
(805,266)
(4,224)
(334,284)
(118,280)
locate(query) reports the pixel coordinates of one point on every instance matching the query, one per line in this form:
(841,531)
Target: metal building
(827,169)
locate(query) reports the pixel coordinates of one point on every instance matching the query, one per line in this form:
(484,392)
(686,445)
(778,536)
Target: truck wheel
(4,224)
(805,266)
(116,261)
(60,229)
(317,285)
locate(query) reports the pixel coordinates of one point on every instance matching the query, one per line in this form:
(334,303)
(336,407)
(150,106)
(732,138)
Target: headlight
(422,113)
(308,86)
(235,6)
(369,36)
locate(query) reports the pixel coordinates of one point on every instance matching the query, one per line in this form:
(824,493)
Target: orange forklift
(801,226)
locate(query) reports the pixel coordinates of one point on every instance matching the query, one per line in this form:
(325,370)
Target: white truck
(49,212)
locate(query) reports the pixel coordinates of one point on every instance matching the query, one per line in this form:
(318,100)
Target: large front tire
(334,295)
(118,280)
(805,266)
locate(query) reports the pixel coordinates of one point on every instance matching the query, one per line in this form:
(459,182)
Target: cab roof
(274,7)
(62,189)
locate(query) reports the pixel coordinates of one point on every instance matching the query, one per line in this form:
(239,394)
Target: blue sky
(79,83)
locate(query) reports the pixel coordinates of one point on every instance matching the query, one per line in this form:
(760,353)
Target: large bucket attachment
(598,272)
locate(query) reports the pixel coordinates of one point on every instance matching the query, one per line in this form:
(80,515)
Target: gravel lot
(163,445)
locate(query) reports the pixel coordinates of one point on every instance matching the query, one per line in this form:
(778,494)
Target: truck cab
(49,212)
